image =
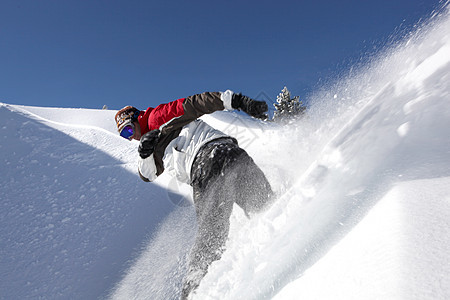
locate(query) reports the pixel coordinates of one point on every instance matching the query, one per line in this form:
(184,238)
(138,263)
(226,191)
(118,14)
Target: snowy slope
(68,219)
(398,251)
(363,208)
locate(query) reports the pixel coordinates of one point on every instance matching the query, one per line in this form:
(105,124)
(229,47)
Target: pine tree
(288,109)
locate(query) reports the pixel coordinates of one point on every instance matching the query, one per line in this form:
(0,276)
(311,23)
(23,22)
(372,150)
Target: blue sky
(87,53)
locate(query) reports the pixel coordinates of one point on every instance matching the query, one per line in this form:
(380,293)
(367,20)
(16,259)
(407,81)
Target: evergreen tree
(288,109)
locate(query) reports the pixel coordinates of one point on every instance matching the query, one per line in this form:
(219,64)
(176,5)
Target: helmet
(126,115)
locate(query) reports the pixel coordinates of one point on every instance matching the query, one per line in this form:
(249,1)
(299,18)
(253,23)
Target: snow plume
(363,208)
(383,125)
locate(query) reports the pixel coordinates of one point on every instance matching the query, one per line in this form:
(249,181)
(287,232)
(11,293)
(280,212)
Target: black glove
(252,107)
(148,143)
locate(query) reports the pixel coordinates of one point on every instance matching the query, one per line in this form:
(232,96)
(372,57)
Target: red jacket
(154,118)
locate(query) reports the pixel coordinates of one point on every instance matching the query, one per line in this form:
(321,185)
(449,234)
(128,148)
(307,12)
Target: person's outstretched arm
(198,105)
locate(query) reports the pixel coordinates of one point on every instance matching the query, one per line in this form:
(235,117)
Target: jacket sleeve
(206,103)
(147,168)
(198,105)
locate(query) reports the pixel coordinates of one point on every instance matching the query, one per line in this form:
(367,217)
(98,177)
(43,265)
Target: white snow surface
(362,212)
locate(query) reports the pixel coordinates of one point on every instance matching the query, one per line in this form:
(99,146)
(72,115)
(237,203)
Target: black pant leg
(253,190)
(213,206)
(222,174)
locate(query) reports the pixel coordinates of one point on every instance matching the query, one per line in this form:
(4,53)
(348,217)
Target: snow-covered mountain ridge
(363,208)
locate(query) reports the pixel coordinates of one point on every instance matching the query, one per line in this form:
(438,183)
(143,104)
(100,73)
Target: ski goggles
(127,131)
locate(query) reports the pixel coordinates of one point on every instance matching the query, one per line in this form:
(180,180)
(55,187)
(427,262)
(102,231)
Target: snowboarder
(172,138)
